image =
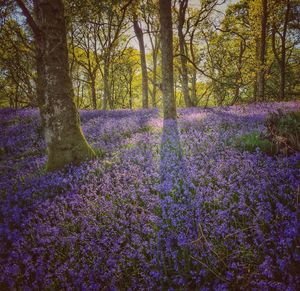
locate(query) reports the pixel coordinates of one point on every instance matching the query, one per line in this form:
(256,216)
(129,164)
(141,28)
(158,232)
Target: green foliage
(282,135)
(100,153)
(253,141)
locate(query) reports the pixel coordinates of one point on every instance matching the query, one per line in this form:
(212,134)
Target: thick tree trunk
(262,53)
(139,35)
(184,71)
(64,138)
(166,35)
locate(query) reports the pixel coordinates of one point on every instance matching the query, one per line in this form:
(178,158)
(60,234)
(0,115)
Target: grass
(253,141)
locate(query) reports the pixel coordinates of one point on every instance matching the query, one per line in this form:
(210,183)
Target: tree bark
(106,89)
(139,34)
(154,58)
(184,71)
(194,71)
(93,89)
(281,56)
(239,75)
(64,139)
(282,65)
(262,53)
(166,35)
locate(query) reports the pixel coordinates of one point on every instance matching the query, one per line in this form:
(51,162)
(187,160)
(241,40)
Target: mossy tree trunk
(166,35)
(64,138)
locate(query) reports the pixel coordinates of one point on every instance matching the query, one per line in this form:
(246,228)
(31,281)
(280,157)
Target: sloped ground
(168,205)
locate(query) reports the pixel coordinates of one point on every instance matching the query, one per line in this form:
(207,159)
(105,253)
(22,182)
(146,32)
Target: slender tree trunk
(93,89)
(78,95)
(139,34)
(64,138)
(106,89)
(282,64)
(184,71)
(194,88)
(16,96)
(282,75)
(255,86)
(154,58)
(281,55)
(166,35)
(239,76)
(262,53)
(130,93)
(194,72)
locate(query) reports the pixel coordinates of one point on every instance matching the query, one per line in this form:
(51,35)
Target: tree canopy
(223,53)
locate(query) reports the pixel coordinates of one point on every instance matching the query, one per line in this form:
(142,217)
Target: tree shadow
(176,229)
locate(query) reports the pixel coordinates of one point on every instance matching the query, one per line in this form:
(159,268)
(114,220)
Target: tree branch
(35,29)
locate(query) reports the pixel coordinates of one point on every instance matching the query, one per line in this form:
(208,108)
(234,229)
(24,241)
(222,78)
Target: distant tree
(150,16)
(166,36)
(139,35)
(64,138)
(183,5)
(17,72)
(261,51)
(84,44)
(281,18)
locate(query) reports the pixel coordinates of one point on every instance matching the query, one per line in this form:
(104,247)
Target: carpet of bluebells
(167,205)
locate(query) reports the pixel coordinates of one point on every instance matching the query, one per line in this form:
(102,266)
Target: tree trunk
(281,55)
(130,93)
(194,88)
(106,89)
(94,97)
(239,75)
(16,96)
(64,138)
(154,57)
(194,72)
(184,71)
(262,53)
(139,35)
(282,76)
(166,35)
(282,64)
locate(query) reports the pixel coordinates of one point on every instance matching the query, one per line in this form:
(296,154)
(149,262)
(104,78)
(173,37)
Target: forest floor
(170,205)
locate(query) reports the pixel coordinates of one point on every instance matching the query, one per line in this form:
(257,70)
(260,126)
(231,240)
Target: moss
(72,149)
